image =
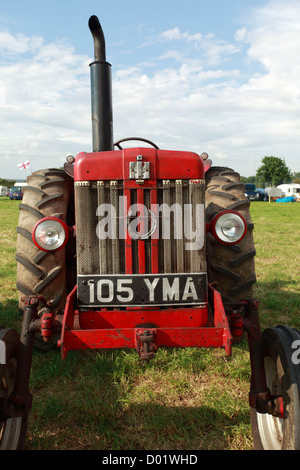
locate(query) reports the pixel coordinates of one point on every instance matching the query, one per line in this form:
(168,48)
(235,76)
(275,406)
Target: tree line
(272,172)
(8,183)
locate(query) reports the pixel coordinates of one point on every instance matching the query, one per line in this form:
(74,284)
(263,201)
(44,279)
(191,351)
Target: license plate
(145,290)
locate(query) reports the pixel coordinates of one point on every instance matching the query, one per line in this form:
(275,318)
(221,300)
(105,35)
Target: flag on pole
(24,165)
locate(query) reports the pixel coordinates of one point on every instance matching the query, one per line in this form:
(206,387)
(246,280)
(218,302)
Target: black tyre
(48,193)
(281,348)
(12,430)
(230,267)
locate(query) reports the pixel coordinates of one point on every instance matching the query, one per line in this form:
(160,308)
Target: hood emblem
(139,170)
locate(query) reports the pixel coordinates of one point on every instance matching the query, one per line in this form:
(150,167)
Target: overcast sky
(221,77)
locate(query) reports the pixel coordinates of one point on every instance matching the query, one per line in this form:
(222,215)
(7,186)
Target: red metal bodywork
(169,327)
(114,165)
(118,332)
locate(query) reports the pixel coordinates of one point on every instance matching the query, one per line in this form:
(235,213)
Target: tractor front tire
(48,193)
(282,366)
(230,267)
(12,430)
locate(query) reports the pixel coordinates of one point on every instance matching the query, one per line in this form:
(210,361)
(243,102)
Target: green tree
(247,179)
(296,177)
(6,182)
(274,171)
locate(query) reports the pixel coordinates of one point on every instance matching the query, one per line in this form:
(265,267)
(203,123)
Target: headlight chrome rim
(218,227)
(54,223)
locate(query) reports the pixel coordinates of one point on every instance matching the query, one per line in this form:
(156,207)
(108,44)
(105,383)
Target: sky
(221,77)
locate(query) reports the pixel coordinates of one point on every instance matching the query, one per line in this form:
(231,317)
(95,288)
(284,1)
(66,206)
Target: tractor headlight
(50,234)
(229,227)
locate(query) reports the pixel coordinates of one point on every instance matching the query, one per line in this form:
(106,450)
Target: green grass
(277,242)
(184,399)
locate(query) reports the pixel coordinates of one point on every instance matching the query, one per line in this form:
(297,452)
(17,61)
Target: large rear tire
(48,193)
(230,267)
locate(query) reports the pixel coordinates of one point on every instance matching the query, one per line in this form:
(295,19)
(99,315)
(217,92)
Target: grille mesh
(164,252)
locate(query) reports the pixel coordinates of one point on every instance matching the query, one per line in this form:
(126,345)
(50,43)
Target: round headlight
(50,234)
(229,227)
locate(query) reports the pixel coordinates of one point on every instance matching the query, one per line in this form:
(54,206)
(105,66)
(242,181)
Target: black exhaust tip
(99,40)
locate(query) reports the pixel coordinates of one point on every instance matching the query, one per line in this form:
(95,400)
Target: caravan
(292,189)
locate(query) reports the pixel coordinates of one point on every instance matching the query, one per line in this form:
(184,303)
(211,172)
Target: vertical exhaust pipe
(101,92)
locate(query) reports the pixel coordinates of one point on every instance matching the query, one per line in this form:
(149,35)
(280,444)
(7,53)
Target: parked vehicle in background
(273,193)
(16,192)
(251,192)
(262,195)
(289,190)
(3,190)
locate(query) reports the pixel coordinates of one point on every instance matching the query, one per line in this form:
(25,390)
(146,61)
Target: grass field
(184,399)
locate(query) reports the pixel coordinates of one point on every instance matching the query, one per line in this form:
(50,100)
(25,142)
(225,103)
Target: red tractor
(142,248)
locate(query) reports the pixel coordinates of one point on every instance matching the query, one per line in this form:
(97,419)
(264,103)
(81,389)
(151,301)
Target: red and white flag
(24,165)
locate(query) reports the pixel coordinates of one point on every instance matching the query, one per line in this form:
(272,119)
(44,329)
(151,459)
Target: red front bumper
(129,329)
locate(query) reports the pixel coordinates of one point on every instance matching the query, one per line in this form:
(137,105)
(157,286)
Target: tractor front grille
(109,240)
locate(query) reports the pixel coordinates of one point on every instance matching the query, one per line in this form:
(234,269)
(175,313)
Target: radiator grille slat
(179,229)
(196,194)
(101,241)
(166,219)
(114,200)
